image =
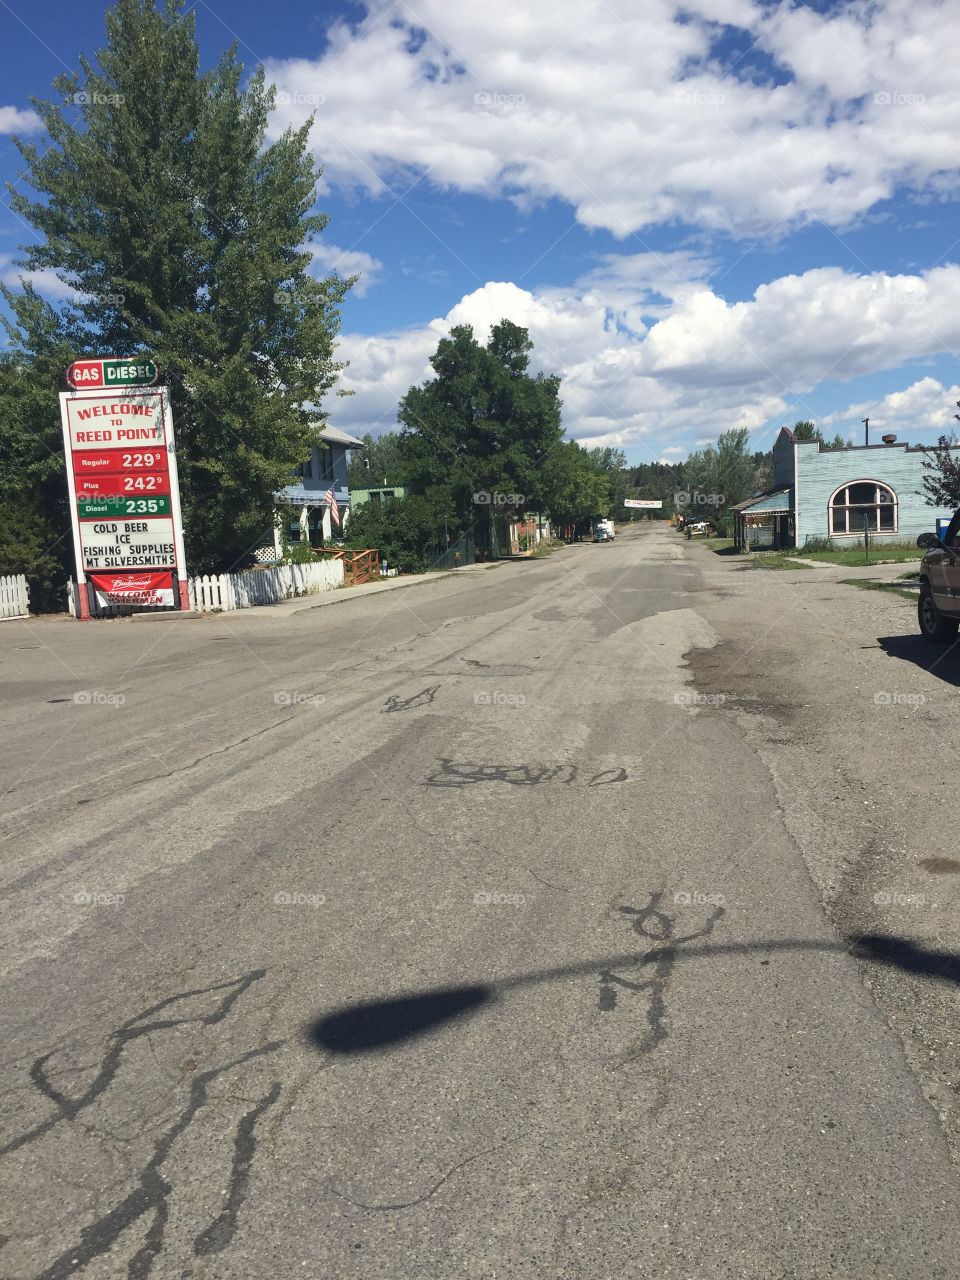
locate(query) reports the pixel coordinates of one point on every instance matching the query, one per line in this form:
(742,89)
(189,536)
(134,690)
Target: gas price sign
(122,476)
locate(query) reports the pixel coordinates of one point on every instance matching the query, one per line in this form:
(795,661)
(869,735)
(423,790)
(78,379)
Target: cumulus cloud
(704,366)
(347,262)
(927,406)
(46,282)
(639,114)
(14,120)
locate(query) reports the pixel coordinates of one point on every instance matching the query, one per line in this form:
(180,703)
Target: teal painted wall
(820,474)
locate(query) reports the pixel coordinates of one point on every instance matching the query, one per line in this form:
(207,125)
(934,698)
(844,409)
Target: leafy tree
(719,476)
(404,529)
(185,237)
(482,425)
(762,470)
(941,484)
(613,462)
(379,463)
(28,546)
(607,459)
(808,431)
(577,489)
(35,537)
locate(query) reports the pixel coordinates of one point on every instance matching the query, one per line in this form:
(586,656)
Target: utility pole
(866,430)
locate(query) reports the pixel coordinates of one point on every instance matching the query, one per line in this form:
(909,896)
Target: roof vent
(889,439)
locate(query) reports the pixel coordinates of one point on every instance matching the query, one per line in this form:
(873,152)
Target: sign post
(123,486)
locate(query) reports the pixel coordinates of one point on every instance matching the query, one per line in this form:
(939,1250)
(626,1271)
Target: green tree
(663,480)
(577,490)
(613,463)
(185,237)
(35,536)
(808,431)
(941,483)
(379,463)
(403,529)
(483,427)
(717,477)
(805,430)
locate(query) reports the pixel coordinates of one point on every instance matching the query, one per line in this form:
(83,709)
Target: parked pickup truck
(938,609)
(603,531)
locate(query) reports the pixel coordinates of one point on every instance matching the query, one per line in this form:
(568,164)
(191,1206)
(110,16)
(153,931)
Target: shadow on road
(942,661)
(366,1026)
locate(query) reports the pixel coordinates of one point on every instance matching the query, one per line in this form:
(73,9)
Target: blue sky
(715,214)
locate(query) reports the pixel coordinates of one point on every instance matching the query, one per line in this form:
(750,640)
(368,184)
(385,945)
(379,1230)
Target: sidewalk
(323,599)
(875,569)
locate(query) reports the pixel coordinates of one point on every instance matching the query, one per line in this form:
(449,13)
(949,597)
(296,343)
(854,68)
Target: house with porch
(304,504)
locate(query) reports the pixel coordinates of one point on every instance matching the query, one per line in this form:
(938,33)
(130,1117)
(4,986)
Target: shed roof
(772,500)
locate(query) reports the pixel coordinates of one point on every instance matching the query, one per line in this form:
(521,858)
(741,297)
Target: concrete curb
(345,594)
(174,615)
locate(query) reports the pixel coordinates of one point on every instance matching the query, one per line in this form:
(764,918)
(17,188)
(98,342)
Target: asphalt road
(506,926)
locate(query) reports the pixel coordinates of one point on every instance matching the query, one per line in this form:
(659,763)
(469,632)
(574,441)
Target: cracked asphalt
(585,917)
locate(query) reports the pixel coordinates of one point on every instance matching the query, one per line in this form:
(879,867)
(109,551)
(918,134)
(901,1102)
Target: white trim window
(863,504)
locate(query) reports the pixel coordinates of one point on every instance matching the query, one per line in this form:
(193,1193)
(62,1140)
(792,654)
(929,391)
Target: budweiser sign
(133,588)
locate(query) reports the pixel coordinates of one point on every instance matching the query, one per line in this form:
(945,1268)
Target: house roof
(333,435)
(772,500)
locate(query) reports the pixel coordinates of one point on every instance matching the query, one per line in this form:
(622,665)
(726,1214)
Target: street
(584,917)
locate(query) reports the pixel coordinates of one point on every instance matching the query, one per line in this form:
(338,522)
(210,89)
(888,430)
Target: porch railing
(358,566)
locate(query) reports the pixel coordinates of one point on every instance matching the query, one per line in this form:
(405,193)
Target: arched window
(865,504)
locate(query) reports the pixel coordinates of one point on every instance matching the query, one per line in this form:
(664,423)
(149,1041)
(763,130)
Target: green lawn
(722,546)
(889,587)
(851,556)
(773,560)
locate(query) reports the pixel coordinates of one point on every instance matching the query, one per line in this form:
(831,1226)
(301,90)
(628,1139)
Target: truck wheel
(934,627)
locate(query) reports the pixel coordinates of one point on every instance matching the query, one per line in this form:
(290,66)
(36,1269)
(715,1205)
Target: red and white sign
(91,461)
(124,494)
(134,588)
(111,371)
(130,421)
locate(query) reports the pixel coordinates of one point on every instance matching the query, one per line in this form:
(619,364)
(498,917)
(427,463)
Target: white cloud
(704,366)
(639,114)
(46,282)
(14,120)
(347,262)
(925,406)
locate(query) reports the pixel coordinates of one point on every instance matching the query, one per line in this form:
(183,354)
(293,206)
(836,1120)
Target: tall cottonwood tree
(184,236)
(483,424)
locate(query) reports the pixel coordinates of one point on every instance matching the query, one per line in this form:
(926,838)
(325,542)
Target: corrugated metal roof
(775,500)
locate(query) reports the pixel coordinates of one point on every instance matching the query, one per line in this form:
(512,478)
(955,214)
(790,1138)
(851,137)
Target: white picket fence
(15,596)
(268,585)
(227,591)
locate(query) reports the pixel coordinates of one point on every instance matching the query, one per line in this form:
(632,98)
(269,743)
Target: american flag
(332,504)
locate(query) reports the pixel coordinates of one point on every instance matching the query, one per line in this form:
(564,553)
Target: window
(325,460)
(866,504)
